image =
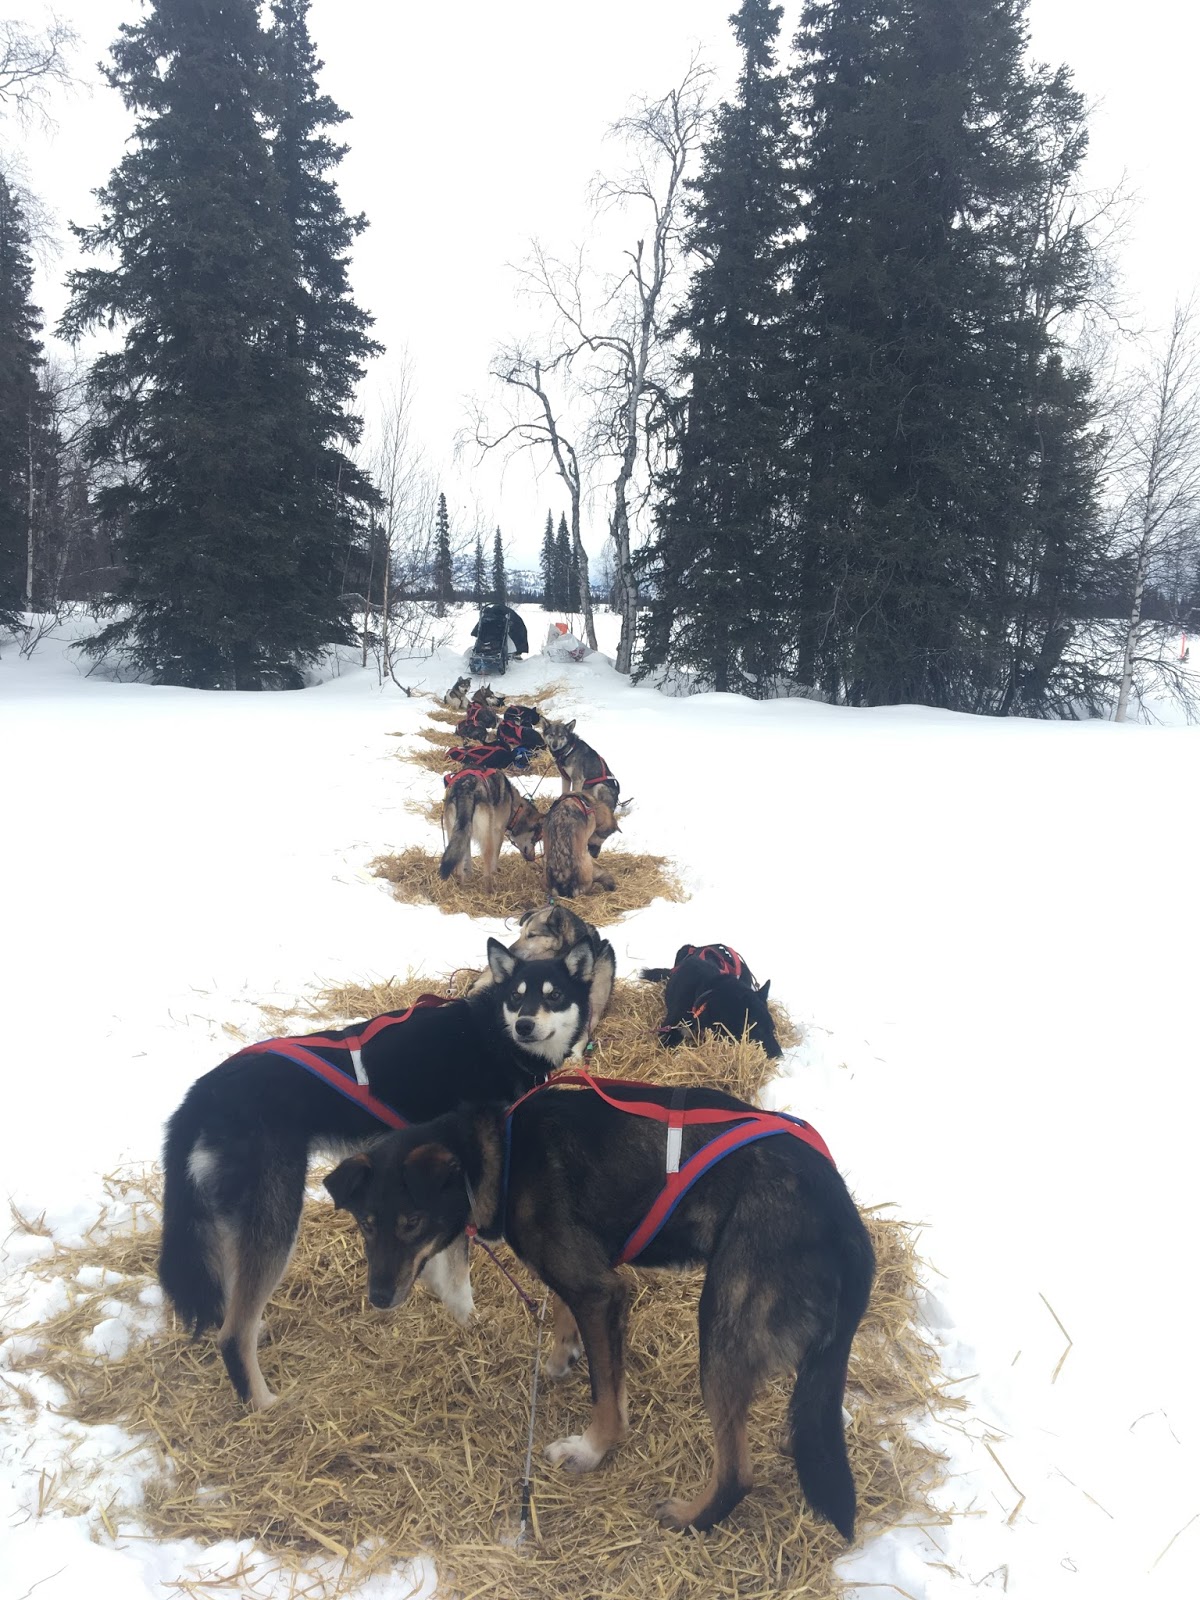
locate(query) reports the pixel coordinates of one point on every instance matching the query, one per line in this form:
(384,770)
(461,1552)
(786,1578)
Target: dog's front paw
(461,1308)
(575,1454)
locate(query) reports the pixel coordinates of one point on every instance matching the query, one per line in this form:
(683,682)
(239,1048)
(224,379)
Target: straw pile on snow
(399,1435)
(520,885)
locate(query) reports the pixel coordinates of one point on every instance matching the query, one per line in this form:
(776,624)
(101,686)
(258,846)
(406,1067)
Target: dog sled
(498,634)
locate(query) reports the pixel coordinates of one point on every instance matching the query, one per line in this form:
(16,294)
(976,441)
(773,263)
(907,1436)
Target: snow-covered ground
(988,928)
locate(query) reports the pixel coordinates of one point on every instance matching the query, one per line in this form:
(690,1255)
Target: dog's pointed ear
(569,727)
(765,990)
(579,961)
(347,1183)
(428,1170)
(501,961)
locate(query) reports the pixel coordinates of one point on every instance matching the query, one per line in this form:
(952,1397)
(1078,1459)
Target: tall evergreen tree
(479,573)
(443,559)
(565,577)
(716,563)
(549,566)
(22,418)
(499,578)
(920,362)
(326,331)
(216,399)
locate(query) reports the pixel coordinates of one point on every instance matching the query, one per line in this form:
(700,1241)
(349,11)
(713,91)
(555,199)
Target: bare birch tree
(611,335)
(402,542)
(534,421)
(32,66)
(1159,515)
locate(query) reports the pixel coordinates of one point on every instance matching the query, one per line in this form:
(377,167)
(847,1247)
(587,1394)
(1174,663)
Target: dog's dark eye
(406,1227)
(554,997)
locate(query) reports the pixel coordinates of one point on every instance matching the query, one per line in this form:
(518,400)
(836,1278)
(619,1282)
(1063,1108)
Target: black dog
(710,986)
(789,1261)
(238,1147)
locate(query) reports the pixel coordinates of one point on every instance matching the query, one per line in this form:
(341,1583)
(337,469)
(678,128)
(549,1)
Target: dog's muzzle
(524,1027)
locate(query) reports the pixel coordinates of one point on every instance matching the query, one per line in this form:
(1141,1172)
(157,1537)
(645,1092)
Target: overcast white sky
(478,124)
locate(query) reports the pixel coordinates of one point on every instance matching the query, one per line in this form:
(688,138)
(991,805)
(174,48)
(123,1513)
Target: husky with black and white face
(545,1005)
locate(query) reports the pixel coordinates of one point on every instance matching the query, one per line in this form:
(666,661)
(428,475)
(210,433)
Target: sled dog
(484,806)
(789,1260)
(478,722)
(581,769)
(711,987)
(237,1149)
(546,935)
(518,727)
(485,695)
(456,696)
(570,828)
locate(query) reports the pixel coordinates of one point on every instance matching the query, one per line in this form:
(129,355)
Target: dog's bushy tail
(655,974)
(460,802)
(815,1409)
(187,1259)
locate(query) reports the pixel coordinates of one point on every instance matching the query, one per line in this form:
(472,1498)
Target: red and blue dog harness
(348,1079)
(750,1125)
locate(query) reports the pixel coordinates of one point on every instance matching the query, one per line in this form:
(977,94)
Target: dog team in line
(481,803)
(476,1117)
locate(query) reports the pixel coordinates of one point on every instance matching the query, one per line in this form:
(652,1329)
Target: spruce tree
(499,579)
(716,564)
(230,556)
(326,331)
(22,414)
(564,569)
(443,560)
(921,360)
(479,574)
(549,566)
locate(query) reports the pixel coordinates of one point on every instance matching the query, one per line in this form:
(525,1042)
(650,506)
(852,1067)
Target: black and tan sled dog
(547,934)
(484,806)
(710,986)
(572,832)
(237,1149)
(582,769)
(584,1188)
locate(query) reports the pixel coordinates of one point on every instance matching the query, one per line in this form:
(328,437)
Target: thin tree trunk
(582,570)
(1135,617)
(29,534)
(386,620)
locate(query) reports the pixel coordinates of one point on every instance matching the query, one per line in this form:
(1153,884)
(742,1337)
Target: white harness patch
(674,1147)
(360,1072)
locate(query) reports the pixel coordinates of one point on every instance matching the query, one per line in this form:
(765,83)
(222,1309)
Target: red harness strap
(451,778)
(581,801)
(722,956)
(301,1052)
(751,1125)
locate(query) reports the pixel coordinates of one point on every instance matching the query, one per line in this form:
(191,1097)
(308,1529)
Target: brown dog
(484,806)
(573,830)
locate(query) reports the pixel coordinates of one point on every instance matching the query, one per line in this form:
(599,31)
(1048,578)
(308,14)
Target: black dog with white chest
(237,1149)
